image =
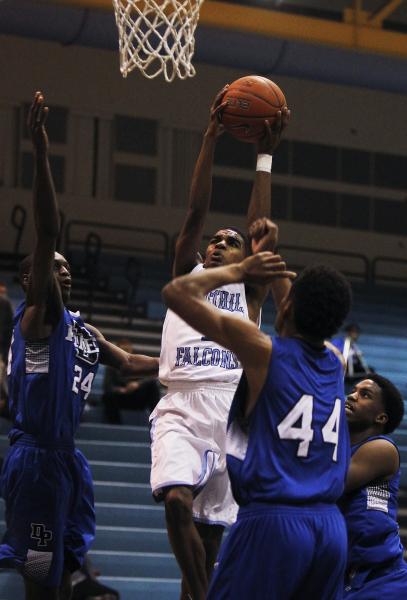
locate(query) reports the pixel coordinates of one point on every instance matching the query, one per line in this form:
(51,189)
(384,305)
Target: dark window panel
(135,184)
(232,153)
(230,195)
(279,202)
(314,206)
(135,135)
(355,212)
(390,171)
(315,160)
(57,124)
(281,161)
(390,216)
(355,166)
(57,164)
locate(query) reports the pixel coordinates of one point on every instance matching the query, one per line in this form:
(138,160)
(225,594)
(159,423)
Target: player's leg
(267,554)
(65,589)
(388,583)
(80,522)
(36,507)
(36,591)
(211,536)
(325,577)
(185,540)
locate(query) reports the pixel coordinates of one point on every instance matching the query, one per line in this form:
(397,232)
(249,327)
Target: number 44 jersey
(294,449)
(49,380)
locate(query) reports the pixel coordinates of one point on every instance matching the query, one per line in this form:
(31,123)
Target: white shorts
(188,437)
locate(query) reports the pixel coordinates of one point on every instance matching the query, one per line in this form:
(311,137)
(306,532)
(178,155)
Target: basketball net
(157,36)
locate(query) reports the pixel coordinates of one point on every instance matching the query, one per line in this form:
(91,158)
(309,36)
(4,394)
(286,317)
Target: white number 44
(302,411)
(84,384)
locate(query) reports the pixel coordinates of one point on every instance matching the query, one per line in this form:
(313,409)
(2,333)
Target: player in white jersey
(188,426)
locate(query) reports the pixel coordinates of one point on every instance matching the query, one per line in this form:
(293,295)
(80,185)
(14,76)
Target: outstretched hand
(37,116)
(215,127)
(262,268)
(263,235)
(268,143)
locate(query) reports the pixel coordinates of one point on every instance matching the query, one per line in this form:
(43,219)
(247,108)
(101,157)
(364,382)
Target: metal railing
(156,242)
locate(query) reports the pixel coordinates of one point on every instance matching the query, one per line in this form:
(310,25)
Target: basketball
(250,101)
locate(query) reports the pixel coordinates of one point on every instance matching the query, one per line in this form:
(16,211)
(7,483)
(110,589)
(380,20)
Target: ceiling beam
(351,35)
(377,18)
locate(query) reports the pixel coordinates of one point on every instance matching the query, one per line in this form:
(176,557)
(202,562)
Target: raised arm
(186,297)
(41,287)
(260,200)
(260,206)
(190,237)
(128,364)
(263,234)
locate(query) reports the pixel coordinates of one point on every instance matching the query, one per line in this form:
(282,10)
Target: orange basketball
(250,101)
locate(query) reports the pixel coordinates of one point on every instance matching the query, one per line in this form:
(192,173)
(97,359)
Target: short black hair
(392,400)
(25,266)
(321,298)
(351,326)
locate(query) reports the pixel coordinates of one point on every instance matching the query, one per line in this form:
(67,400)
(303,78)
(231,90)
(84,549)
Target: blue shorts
(282,552)
(50,517)
(380,582)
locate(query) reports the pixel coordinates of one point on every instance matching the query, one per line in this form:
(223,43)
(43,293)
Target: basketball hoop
(157,36)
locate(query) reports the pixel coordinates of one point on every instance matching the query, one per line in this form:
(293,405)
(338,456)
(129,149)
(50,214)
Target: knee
(178,504)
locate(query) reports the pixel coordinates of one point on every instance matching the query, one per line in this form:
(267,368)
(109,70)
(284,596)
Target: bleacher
(131,547)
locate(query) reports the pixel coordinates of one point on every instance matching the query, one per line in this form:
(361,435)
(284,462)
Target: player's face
(225,248)
(364,406)
(62,272)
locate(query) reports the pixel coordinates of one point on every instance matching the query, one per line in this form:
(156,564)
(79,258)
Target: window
(57,164)
(135,135)
(279,202)
(231,195)
(314,206)
(390,171)
(390,216)
(315,160)
(355,212)
(57,124)
(355,166)
(281,161)
(135,184)
(232,153)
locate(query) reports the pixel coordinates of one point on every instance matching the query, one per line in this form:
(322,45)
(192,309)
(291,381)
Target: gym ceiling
(353,42)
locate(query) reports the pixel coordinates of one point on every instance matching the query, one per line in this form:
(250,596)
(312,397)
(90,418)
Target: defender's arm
(378,459)
(41,284)
(128,364)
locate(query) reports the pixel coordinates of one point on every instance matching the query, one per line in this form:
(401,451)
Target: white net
(157,36)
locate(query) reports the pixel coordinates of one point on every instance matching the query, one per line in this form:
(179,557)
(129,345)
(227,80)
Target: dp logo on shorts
(41,534)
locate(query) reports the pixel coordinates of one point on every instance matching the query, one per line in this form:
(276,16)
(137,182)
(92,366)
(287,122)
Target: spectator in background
(356,365)
(6,328)
(127,393)
(6,322)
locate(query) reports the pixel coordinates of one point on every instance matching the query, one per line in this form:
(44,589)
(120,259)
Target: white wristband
(264,162)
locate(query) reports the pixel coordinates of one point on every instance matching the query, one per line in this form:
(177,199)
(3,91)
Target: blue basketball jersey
(50,379)
(371,519)
(295,448)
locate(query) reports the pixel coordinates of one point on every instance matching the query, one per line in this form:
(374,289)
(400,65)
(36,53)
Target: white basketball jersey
(186,355)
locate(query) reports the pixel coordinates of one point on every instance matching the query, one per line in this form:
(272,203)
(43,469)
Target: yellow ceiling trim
(246,19)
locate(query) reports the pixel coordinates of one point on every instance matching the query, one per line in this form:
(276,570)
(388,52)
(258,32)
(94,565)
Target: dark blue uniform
(287,467)
(376,567)
(46,483)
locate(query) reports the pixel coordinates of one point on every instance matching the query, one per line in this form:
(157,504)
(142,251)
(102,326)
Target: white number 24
(302,411)
(84,384)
